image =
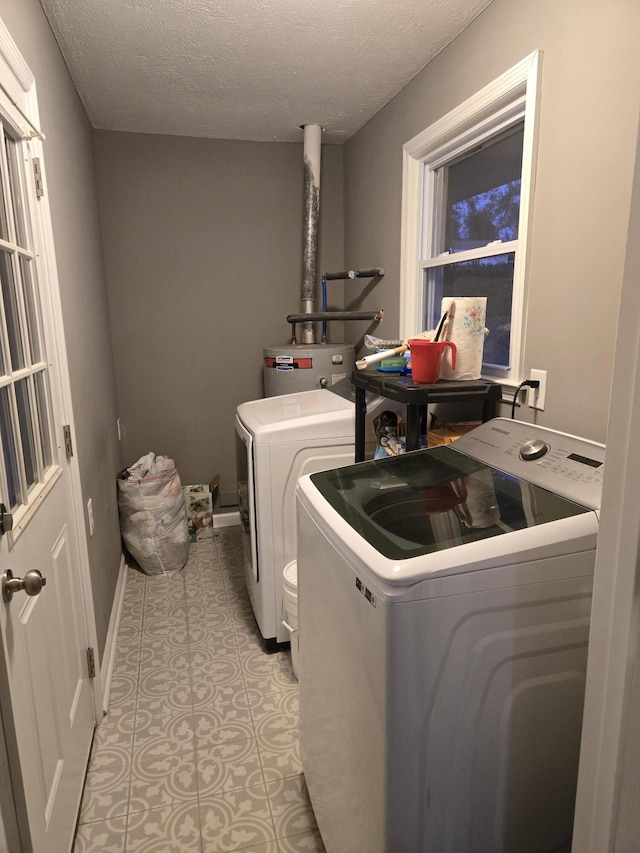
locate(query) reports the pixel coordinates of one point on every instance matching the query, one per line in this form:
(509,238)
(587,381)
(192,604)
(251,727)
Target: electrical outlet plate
(536,396)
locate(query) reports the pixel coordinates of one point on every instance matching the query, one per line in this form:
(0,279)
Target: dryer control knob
(533,449)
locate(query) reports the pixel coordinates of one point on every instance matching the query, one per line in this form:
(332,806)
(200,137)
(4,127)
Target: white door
(44,654)
(45,691)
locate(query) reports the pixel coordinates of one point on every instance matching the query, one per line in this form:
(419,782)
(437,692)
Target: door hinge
(68,444)
(91,663)
(37,174)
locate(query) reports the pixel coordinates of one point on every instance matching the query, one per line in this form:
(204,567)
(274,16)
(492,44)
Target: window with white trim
(467,193)
(27,444)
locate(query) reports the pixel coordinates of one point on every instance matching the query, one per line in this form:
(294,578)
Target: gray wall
(588,128)
(70,172)
(203,249)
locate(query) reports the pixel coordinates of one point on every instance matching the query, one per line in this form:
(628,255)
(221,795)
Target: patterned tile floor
(199,750)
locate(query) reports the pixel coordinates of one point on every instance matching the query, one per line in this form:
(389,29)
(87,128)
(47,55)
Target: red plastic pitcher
(426,357)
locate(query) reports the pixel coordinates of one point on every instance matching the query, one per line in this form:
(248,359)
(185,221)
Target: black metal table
(416,397)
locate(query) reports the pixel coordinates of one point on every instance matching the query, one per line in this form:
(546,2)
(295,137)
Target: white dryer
(277,440)
(443,601)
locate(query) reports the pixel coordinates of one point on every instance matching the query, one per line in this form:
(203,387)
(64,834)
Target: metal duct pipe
(336,315)
(374,272)
(310,225)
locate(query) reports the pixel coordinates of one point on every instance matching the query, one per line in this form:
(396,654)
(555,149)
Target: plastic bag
(378,344)
(153,516)
(372,342)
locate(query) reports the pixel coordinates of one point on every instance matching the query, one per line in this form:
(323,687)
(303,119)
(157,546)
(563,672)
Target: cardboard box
(448,433)
(213,487)
(199,503)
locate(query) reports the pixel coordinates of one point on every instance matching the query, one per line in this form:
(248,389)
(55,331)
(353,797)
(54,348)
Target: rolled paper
(466,330)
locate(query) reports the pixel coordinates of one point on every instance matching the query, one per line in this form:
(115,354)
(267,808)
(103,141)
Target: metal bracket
(6,520)
(68,443)
(91,663)
(37,174)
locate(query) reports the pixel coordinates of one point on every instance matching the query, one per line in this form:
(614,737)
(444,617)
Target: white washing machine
(278,439)
(444,600)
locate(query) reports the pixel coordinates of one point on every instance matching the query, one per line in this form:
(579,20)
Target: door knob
(32,583)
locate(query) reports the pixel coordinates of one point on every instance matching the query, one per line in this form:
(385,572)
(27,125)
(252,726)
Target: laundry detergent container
(290,609)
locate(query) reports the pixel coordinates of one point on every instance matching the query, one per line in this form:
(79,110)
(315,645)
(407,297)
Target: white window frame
(505,102)
(19,110)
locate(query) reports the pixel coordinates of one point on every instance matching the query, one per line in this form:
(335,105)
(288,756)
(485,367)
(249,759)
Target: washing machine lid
(308,415)
(430,501)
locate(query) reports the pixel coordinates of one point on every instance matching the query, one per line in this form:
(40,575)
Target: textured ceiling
(248,69)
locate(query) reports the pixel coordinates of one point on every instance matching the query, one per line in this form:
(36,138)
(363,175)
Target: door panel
(51,696)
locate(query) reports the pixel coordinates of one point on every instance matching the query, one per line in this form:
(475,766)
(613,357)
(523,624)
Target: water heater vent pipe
(310,226)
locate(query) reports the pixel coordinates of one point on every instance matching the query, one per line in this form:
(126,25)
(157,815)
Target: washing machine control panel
(570,466)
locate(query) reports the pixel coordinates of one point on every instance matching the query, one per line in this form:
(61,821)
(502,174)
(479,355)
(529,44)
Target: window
(466,206)
(26,434)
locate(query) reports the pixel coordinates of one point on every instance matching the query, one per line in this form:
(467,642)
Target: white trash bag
(153,516)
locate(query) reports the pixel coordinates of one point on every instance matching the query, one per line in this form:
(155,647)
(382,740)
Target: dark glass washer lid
(430,500)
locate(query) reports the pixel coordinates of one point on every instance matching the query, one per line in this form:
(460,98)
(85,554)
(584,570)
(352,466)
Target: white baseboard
(108,660)
(225,519)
